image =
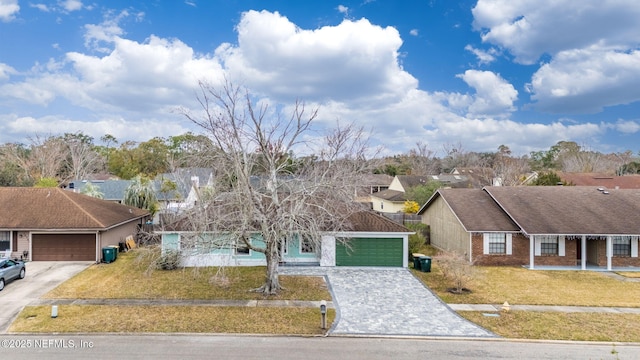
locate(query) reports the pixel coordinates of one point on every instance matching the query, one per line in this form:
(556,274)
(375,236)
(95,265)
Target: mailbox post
(323,313)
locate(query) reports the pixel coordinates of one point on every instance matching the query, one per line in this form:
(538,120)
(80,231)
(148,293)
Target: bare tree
(265,195)
(422,160)
(83,160)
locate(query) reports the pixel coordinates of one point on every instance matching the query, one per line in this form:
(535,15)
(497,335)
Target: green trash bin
(115,251)
(108,254)
(425,263)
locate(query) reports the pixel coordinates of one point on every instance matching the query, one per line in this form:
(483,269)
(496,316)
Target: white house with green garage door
(373,241)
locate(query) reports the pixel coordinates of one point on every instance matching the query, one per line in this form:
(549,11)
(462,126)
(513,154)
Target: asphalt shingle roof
(571,209)
(54,208)
(476,210)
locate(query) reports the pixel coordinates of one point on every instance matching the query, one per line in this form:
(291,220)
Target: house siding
(446,232)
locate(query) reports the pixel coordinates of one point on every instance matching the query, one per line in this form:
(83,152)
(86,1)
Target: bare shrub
(456,269)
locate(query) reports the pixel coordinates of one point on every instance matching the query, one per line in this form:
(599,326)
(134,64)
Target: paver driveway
(388,301)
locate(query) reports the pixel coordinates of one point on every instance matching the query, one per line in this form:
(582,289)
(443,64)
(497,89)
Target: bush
(419,239)
(456,269)
(169,260)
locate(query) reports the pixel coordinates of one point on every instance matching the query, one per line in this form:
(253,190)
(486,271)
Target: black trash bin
(416,263)
(425,263)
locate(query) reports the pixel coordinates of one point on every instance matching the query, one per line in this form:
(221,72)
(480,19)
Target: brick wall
(520,253)
(616,261)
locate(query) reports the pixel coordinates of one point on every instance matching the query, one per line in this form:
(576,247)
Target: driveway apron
(42,276)
(388,301)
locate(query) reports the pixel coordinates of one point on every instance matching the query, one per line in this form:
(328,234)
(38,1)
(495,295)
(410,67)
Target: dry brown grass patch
(170,319)
(561,326)
(126,278)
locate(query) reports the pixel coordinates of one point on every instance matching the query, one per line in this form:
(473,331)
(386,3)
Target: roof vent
(601,189)
(605,192)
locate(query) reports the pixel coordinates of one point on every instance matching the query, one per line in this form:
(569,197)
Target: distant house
(372,241)
(602,180)
(57,225)
(568,226)
(392,200)
(371,184)
(188,184)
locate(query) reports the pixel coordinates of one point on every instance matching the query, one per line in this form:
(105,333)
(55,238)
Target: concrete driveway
(388,301)
(42,276)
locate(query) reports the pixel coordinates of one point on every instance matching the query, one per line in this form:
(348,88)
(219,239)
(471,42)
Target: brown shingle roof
(54,208)
(367,221)
(390,195)
(608,181)
(476,210)
(570,209)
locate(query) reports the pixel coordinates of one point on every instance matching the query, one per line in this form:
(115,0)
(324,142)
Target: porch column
(532,251)
(609,252)
(583,250)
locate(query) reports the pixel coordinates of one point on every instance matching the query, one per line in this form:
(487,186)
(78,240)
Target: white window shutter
(509,245)
(538,242)
(561,246)
(634,246)
(485,246)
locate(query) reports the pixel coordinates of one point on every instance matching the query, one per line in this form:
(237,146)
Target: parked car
(10,270)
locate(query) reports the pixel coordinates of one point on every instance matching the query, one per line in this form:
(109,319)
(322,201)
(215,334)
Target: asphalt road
(159,347)
(42,276)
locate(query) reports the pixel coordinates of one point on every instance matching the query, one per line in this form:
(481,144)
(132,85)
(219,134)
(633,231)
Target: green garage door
(370,252)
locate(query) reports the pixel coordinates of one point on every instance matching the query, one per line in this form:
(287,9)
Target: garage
(63,247)
(370,252)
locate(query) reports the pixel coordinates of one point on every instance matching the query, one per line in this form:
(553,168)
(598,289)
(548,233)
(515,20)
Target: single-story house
(373,241)
(52,224)
(567,226)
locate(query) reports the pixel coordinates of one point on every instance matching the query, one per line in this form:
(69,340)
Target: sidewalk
(316,304)
(154,302)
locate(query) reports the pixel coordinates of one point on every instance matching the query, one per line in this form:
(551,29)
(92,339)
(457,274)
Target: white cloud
(8,10)
(587,80)
(494,96)
(354,60)
(627,126)
(41,7)
(530,28)
(414,32)
(343,9)
(6,71)
(71,5)
(484,57)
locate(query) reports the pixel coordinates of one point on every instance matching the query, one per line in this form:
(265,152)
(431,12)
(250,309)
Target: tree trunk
(272,282)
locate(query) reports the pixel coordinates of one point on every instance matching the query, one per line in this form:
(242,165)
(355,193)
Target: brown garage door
(64,247)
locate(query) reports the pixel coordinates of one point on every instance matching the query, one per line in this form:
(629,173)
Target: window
(306,246)
(621,246)
(5,243)
(548,245)
(241,248)
(497,243)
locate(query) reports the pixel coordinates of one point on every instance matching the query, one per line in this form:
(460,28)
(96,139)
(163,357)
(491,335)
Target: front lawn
(518,285)
(127,278)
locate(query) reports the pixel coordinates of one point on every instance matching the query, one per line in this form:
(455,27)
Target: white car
(10,270)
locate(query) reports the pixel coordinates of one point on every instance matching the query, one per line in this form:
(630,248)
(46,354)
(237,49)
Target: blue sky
(523,73)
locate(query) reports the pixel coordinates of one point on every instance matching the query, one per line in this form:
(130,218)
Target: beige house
(56,225)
